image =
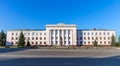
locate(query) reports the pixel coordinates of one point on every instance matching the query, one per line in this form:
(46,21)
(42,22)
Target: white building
(62,34)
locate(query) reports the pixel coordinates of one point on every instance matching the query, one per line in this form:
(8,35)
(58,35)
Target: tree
(28,44)
(2,38)
(21,41)
(95,43)
(113,40)
(118,42)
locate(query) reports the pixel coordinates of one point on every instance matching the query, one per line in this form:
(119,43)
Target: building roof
(27,30)
(94,30)
(60,24)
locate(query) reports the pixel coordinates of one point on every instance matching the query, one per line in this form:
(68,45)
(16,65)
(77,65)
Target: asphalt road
(59,57)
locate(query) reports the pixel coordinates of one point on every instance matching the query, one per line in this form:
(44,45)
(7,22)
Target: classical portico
(61,34)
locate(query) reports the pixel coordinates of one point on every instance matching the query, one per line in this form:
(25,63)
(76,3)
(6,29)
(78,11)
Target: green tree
(2,38)
(21,41)
(118,42)
(28,44)
(95,43)
(113,40)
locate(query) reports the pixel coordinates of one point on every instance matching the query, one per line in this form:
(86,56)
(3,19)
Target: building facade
(62,35)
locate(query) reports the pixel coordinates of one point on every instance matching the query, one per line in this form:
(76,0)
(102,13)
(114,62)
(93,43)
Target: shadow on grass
(79,61)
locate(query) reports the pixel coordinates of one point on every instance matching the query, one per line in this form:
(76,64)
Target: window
(40,38)
(33,33)
(96,38)
(36,38)
(64,31)
(51,32)
(12,43)
(28,34)
(84,33)
(28,38)
(100,38)
(56,37)
(80,33)
(16,42)
(80,38)
(92,33)
(100,33)
(68,31)
(12,33)
(60,32)
(92,38)
(40,42)
(36,42)
(56,42)
(32,42)
(69,42)
(108,33)
(80,42)
(104,42)
(16,38)
(88,33)
(52,38)
(12,38)
(88,38)
(51,42)
(16,34)
(56,32)
(32,38)
(36,34)
(77,42)
(69,37)
(44,38)
(44,33)
(108,42)
(65,42)
(100,42)
(96,33)
(65,37)
(40,33)
(84,42)
(104,38)
(104,33)
(108,38)
(84,38)
(44,42)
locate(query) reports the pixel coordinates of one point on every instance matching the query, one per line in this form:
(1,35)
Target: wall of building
(87,37)
(35,37)
(62,34)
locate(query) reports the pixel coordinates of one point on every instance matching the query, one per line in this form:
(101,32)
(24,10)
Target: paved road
(56,57)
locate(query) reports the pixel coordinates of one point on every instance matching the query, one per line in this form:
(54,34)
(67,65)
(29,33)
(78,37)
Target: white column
(50,37)
(71,32)
(54,37)
(58,36)
(63,36)
(66,37)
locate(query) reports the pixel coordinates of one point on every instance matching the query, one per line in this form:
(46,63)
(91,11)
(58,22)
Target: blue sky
(35,14)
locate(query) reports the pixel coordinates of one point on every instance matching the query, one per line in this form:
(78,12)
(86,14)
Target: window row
(96,33)
(56,42)
(97,38)
(28,34)
(101,42)
(28,38)
(30,42)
